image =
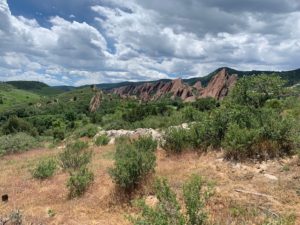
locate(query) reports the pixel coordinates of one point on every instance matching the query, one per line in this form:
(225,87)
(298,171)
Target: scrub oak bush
(89,130)
(168,210)
(256,128)
(134,160)
(79,181)
(15,143)
(175,140)
(195,200)
(273,138)
(45,169)
(102,140)
(15,125)
(59,133)
(75,159)
(145,143)
(75,156)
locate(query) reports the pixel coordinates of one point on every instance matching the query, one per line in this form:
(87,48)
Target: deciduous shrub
(79,181)
(255,91)
(271,135)
(59,134)
(175,140)
(145,143)
(238,142)
(75,156)
(15,125)
(201,135)
(190,114)
(102,140)
(16,143)
(134,160)
(195,200)
(168,210)
(205,104)
(89,130)
(45,169)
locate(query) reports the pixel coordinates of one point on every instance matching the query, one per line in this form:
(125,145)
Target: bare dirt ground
(245,193)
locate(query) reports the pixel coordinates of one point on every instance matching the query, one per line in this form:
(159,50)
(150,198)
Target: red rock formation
(148,91)
(217,88)
(177,88)
(95,101)
(220,85)
(198,86)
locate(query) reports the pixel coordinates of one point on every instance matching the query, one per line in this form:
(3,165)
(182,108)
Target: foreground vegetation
(259,120)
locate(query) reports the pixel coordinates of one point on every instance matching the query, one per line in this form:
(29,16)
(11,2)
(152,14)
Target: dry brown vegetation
(244,193)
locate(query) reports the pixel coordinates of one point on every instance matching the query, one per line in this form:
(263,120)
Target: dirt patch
(244,193)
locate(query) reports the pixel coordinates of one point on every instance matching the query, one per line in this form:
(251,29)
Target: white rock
(151,201)
(271,177)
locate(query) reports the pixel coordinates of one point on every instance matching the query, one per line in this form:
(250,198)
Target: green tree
(256,90)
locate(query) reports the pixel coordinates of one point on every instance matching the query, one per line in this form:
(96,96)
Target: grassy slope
(36,87)
(12,96)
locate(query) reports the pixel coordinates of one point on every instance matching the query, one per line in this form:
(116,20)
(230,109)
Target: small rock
(249,176)
(237,166)
(296,177)
(112,141)
(151,201)
(220,160)
(271,177)
(4,198)
(261,171)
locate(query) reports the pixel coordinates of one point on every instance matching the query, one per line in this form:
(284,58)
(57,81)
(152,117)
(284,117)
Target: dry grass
(100,205)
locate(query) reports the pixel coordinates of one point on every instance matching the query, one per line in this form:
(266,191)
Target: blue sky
(77,42)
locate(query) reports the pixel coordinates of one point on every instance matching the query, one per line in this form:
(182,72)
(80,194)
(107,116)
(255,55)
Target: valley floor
(245,193)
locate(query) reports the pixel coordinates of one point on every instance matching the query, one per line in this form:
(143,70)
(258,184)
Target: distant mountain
(36,87)
(28,85)
(64,88)
(11,96)
(187,86)
(292,77)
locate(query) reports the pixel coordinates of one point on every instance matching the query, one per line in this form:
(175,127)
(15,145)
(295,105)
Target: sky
(78,42)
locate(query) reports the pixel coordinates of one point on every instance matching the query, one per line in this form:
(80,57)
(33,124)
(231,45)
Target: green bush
(44,169)
(271,136)
(195,201)
(205,104)
(15,125)
(175,140)
(201,135)
(122,140)
(134,160)
(239,142)
(146,143)
(79,181)
(16,143)
(16,217)
(168,210)
(75,156)
(89,130)
(255,91)
(102,140)
(190,114)
(59,134)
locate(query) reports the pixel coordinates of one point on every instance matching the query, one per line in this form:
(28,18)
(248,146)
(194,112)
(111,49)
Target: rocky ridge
(217,88)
